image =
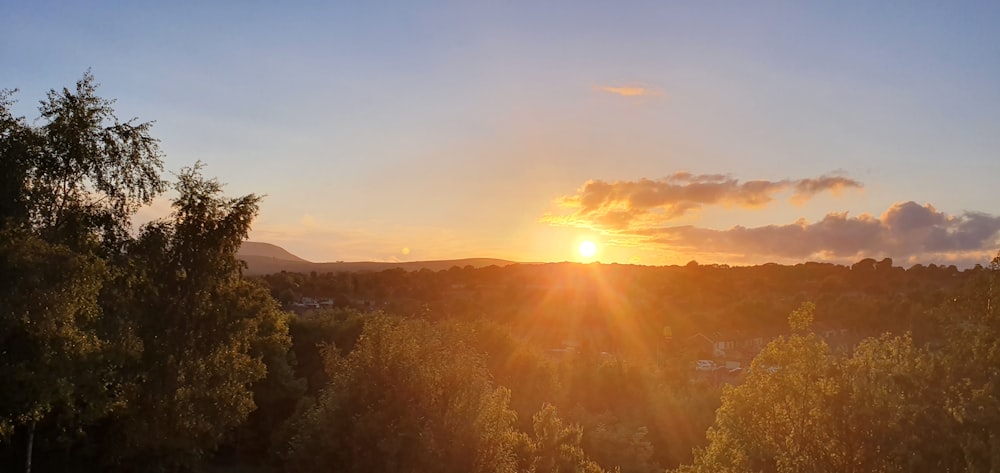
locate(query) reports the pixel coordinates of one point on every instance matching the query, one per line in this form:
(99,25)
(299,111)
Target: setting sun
(587,249)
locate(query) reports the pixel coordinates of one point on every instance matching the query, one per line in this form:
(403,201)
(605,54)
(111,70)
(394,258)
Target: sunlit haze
(738,133)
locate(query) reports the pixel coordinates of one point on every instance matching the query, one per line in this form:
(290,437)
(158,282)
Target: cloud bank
(630,205)
(643,213)
(905,229)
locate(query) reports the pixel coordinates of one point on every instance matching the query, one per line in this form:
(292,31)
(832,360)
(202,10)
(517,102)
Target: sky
(664,132)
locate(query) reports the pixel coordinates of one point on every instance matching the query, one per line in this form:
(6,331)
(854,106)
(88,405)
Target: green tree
(17,142)
(82,174)
(613,443)
(409,397)
(772,422)
(68,189)
(153,347)
(970,361)
(315,329)
(203,330)
(802,409)
(50,356)
(889,414)
(277,395)
(556,447)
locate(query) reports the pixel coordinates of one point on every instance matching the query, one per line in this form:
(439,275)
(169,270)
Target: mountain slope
(266,250)
(265,258)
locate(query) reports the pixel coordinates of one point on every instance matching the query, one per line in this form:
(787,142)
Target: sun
(587,249)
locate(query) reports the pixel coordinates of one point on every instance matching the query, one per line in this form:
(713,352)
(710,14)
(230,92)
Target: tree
(50,354)
(80,176)
(409,397)
(143,350)
(772,422)
(275,396)
(17,142)
(68,189)
(556,447)
(612,442)
(889,413)
(970,363)
(203,330)
(803,409)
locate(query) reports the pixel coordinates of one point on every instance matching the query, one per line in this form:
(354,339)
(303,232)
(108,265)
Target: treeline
(803,405)
(624,308)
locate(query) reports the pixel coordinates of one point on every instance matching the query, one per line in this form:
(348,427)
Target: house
(717,346)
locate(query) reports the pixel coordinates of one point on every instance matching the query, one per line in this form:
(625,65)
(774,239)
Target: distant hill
(265,258)
(267,250)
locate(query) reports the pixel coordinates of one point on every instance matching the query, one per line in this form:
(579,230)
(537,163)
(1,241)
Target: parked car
(705,365)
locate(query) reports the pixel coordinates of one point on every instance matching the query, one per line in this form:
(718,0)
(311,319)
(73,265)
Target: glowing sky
(729,132)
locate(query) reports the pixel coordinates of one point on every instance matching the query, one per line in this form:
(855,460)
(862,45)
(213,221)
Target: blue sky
(433,130)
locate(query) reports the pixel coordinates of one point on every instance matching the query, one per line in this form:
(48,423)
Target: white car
(705,365)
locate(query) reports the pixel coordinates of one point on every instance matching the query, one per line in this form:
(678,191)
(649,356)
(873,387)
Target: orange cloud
(629,91)
(631,205)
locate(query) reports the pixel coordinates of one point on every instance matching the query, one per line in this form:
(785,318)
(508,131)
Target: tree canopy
(82,173)
(126,348)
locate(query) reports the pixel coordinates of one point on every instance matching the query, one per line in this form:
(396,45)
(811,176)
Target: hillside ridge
(267,258)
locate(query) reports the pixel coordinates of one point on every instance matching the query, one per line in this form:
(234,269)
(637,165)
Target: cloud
(630,91)
(904,230)
(805,189)
(634,205)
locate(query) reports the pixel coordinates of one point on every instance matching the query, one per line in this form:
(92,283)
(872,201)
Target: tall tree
(68,189)
(154,344)
(82,174)
(203,330)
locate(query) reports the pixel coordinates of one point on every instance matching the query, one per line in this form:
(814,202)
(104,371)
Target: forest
(148,349)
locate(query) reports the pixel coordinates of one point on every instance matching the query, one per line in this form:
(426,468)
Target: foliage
(970,362)
(203,329)
(51,353)
(612,442)
(802,408)
(772,422)
(68,189)
(119,350)
(409,397)
(82,173)
(314,330)
(556,447)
